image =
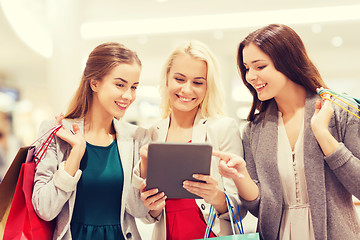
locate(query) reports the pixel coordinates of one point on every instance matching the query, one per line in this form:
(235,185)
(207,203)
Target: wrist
(78,150)
(321,132)
(219,202)
(155,214)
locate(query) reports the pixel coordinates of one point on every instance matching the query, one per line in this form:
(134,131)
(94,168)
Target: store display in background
(9,143)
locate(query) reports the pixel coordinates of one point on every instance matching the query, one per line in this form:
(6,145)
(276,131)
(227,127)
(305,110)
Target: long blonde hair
(100,62)
(213,103)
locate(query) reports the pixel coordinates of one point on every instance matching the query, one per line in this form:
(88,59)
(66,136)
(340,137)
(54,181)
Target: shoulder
(258,120)
(130,130)
(252,127)
(221,122)
(346,113)
(223,127)
(159,125)
(46,125)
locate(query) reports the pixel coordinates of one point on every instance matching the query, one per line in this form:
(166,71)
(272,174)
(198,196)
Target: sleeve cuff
(251,206)
(64,180)
(150,219)
(339,157)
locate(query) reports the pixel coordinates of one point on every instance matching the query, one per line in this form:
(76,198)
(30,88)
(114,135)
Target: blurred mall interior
(44,44)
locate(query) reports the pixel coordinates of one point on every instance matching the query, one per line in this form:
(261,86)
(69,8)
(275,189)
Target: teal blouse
(98,197)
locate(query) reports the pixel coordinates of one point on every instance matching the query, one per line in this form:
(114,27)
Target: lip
(122,106)
(184,99)
(260,87)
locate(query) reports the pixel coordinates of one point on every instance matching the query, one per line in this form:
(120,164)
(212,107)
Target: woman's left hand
(208,190)
(320,126)
(322,115)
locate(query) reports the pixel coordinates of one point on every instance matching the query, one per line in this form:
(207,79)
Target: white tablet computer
(170,164)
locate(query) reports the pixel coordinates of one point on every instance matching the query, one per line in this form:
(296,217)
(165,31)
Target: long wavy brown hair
(287,51)
(100,62)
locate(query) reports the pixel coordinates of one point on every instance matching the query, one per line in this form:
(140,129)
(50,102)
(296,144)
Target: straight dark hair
(287,51)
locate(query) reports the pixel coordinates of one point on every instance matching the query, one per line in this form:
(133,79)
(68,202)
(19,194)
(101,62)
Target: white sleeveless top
(296,221)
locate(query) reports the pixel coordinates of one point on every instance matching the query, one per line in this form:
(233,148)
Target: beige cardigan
(224,135)
(55,190)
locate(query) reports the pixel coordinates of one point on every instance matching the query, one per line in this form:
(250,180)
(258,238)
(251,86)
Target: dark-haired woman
(302,152)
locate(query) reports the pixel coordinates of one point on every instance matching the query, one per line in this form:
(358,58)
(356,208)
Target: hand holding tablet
(170,164)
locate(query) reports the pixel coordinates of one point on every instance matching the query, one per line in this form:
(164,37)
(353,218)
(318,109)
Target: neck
(97,122)
(291,100)
(181,119)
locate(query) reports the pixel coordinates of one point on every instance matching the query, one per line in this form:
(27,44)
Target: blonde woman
(192,106)
(84,180)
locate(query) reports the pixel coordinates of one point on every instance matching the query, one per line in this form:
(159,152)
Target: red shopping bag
(23,222)
(8,184)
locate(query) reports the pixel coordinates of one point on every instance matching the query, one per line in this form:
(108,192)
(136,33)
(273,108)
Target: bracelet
(156,218)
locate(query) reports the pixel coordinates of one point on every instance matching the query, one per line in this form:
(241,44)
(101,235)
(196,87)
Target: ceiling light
(316,28)
(142,39)
(28,27)
(238,20)
(337,41)
(218,34)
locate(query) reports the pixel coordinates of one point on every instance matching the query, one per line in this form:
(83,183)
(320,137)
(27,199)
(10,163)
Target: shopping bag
(348,100)
(233,220)
(22,221)
(8,184)
(245,236)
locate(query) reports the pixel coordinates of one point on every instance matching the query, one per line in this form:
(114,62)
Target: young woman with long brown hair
(302,153)
(84,180)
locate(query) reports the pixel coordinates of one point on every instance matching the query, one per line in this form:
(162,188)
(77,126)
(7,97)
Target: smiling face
(116,91)
(262,74)
(187,83)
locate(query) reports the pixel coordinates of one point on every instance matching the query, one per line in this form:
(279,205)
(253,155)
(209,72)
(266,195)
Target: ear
(94,84)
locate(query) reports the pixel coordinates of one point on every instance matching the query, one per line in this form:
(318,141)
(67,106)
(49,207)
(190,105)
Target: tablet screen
(170,164)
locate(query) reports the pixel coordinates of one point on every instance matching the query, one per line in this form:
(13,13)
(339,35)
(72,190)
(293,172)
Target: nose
(186,87)
(127,94)
(251,75)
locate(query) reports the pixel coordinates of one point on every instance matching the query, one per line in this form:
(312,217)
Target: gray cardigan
(331,181)
(55,190)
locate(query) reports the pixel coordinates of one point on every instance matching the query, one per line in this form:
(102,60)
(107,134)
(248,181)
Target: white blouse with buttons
(296,219)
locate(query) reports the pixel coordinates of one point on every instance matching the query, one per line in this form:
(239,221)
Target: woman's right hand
(152,199)
(77,142)
(234,167)
(75,138)
(230,165)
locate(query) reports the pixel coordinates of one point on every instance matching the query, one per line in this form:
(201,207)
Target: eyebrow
(123,80)
(194,78)
(257,60)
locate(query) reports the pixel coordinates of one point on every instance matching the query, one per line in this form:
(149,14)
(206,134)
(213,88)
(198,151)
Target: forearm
(246,187)
(52,189)
(135,206)
(326,141)
(72,163)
